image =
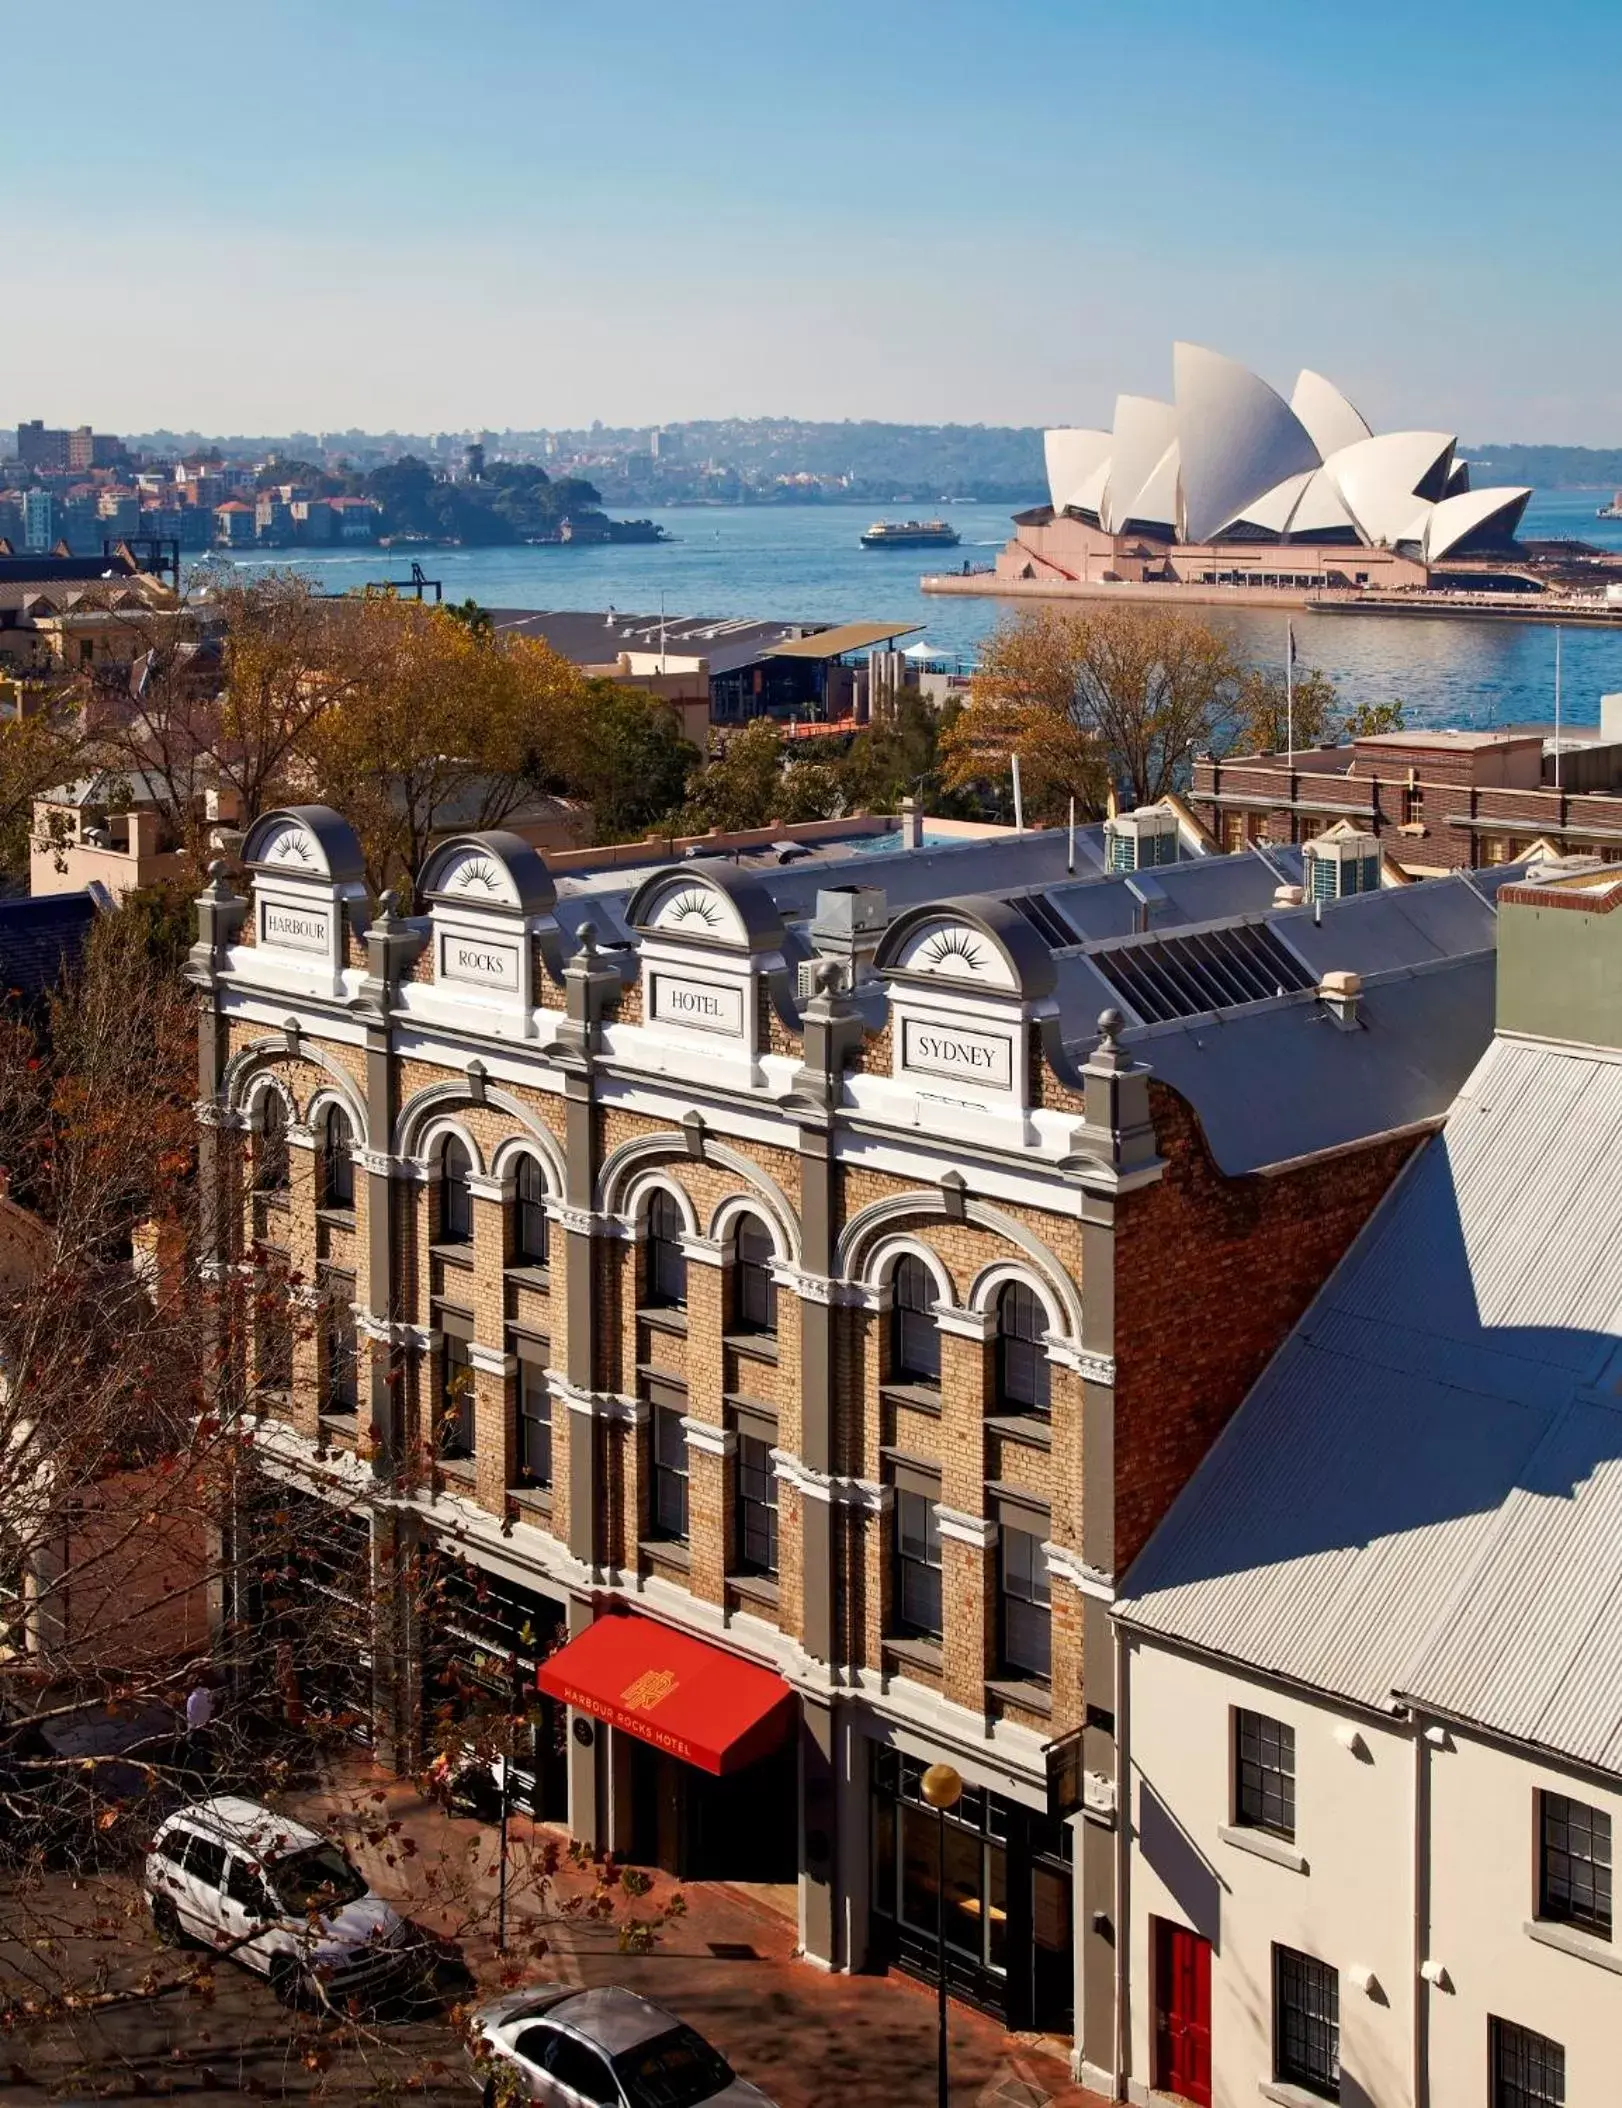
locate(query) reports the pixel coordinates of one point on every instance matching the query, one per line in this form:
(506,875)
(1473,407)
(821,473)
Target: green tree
(627,760)
(751,782)
(1267,717)
(1368,720)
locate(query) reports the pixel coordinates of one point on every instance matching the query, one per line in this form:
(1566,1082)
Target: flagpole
(1557,708)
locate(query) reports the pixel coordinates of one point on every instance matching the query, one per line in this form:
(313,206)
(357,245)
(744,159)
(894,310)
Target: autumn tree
(1093,698)
(626,758)
(752,781)
(1269,716)
(452,725)
(40,748)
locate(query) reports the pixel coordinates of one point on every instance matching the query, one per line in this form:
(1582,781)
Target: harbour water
(806,562)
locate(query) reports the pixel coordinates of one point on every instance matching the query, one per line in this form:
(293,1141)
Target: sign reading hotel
(706,1006)
(294,929)
(483,962)
(986,1058)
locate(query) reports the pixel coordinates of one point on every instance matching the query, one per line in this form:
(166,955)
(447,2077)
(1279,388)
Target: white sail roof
(1273,509)
(1326,413)
(1457,518)
(1239,438)
(1156,504)
(1072,453)
(1144,429)
(1379,479)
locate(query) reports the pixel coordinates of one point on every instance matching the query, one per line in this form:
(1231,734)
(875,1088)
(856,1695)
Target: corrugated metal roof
(1423,1495)
(847,636)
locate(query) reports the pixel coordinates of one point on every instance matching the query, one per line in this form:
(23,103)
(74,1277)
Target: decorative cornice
(209,1114)
(1065,1564)
(584,1222)
(705,1436)
(977,1325)
(704,1250)
(977,1530)
(484,1187)
(613,1408)
(1092,1368)
(865,1494)
(491,1361)
(381,1165)
(299,1136)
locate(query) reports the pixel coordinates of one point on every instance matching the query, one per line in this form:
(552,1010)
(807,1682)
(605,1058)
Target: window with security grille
(1528,2070)
(754,1292)
(534,1426)
(1306,2023)
(337,1161)
(531,1230)
(1263,1773)
(455,1194)
(669,1474)
(757,1507)
(915,1341)
(917,1565)
(664,1262)
(1574,1864)
(1022,1358)
(1024,1590)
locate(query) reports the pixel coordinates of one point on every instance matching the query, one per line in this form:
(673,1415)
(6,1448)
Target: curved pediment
(490,870)
(305,841)
(980,944)
(706,907)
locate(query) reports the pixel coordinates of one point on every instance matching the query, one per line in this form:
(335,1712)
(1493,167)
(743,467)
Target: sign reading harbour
(297,929)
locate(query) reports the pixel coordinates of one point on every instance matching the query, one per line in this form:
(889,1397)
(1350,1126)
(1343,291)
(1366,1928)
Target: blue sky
(315,213)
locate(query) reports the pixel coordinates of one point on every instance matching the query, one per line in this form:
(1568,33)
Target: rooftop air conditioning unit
(1336,865)
(1137,840)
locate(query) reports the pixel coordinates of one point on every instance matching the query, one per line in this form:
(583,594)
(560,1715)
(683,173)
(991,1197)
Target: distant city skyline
(535,216)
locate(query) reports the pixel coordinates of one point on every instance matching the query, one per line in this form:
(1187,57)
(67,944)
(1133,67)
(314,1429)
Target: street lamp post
(942,1788)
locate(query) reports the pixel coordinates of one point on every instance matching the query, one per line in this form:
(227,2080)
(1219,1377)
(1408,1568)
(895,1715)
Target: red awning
(696,1701)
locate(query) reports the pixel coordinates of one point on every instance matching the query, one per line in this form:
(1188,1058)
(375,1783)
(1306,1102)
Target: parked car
(606,2049)
(280,1898)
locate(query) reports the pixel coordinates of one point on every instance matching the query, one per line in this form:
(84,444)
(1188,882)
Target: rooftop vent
(1340,993)
(847,926)
(1337,864)
(1170,977)
(1137,840)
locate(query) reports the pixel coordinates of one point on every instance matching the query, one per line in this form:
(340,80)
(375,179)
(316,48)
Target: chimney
(1288,896)
(1340,991)
(143,833)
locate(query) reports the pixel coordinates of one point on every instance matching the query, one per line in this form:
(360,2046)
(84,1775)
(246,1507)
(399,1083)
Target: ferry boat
(1613,511)
(911,534)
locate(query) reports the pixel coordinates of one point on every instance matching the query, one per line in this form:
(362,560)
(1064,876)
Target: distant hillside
(1546,467)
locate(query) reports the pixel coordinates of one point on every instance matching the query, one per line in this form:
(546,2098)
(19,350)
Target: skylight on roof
(1220,969)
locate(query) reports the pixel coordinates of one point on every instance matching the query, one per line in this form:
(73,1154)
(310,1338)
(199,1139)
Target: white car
(600,2049)
(278,1897)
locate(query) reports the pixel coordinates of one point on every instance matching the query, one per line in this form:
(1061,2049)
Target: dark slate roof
(596,637)
(40,938)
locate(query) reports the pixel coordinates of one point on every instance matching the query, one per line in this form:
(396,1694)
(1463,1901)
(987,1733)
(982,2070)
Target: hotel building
(764,1302)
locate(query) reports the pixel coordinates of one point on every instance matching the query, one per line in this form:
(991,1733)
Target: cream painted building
(1370,1666)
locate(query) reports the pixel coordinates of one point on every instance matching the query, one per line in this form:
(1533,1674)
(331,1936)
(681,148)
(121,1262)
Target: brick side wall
(1211,1274)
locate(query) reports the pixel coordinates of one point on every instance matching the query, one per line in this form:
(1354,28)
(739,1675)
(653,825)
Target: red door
(1182,2013)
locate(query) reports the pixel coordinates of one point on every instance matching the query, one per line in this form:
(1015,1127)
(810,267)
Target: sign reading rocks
(481,961)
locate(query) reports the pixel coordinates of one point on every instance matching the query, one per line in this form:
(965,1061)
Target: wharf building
(778,1296)
(1436,800)
(1230,485)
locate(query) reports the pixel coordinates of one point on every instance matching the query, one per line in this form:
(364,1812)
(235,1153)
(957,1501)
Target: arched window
(915,1344)
(1022,1362)
(337,1160)
(455,1195)
(531,1230)
(272,1168)
(664,1279)
(754,1292)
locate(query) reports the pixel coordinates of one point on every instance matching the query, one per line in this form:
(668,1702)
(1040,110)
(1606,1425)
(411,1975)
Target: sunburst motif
(694,906)
(288,847)
(949,945)
(477,874)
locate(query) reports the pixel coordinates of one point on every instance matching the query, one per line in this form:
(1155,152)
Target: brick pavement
(726,1962)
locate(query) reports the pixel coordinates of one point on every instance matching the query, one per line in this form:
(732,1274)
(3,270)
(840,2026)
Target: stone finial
(1109,1027)
(387,905)
(588,942)
(829,978)
(219,881)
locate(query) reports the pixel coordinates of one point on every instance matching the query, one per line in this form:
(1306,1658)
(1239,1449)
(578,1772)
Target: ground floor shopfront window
(304,1598)
(484,1637)
(1007,1892)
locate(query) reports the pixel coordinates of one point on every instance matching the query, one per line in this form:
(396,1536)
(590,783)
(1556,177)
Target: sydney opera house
(1229,484)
